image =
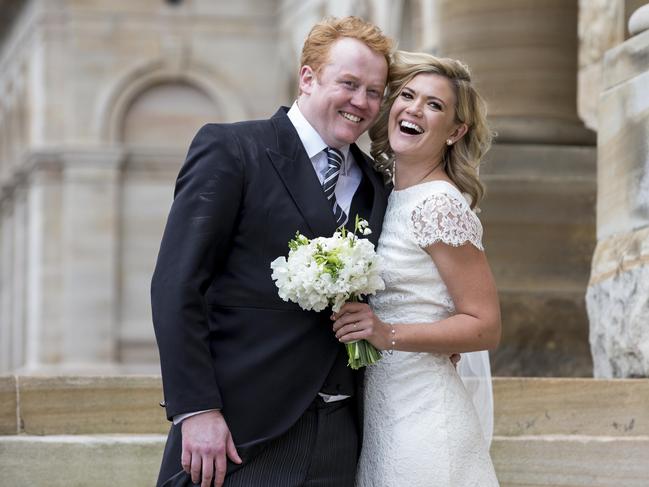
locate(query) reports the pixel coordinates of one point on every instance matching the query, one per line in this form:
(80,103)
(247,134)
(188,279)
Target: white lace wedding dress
(420,426)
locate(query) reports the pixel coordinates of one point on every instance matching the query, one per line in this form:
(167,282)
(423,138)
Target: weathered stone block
(611,408)
(91,405)
(80,461)
(618,292)
(626,60)
(623,155)
(618,306)
(8,417)
(571,461)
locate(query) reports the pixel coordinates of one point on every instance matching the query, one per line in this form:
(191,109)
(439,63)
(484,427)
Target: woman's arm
(474,326)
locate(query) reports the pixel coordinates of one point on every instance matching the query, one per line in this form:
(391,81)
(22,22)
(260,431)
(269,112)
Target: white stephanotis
(328,271)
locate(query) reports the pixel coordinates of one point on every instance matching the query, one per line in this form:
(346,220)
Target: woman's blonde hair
(460,160)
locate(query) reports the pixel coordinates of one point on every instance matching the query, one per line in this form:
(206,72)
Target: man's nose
(360,98)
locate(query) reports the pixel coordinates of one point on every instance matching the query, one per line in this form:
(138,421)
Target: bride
(421,427)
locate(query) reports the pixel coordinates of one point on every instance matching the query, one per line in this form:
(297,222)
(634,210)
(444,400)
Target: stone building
(100,100)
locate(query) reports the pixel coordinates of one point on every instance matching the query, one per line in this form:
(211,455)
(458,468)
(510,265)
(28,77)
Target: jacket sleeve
(194,246)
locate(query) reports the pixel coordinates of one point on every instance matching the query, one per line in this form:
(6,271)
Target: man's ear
(307,78)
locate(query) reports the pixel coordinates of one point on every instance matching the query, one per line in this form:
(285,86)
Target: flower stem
(361,353)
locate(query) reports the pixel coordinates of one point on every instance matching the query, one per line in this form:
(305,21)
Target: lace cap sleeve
(444,218)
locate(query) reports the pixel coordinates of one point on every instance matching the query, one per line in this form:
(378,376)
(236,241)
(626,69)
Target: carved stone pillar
(524,57)
(618,292)
(44,317)
(539,214)
(6,281)
(19,283)
(72,209)
(89,244)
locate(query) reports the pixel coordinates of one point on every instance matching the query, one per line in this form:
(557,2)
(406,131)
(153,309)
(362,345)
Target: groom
(257,388)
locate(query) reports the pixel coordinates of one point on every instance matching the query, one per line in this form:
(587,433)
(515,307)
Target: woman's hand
(357,321)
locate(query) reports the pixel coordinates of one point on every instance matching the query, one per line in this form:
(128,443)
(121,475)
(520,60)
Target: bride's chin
(401,153)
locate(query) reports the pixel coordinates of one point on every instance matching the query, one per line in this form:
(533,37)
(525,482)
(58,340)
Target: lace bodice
(420,426)
(417,217)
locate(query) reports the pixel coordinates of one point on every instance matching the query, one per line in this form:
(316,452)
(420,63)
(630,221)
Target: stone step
(80,460)
(133,460)
(110,431)
(558,406)
(571,461)
(82,405)
(128,404)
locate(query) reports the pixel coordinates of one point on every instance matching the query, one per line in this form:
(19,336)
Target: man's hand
(206,442)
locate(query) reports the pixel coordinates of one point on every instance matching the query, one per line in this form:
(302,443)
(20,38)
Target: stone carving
(600,28)
(618,293)
(639,21)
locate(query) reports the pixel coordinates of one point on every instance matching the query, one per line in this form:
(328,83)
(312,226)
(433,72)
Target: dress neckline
(419,185)
(416,189)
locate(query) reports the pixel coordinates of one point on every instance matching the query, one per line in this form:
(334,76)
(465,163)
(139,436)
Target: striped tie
(335,159)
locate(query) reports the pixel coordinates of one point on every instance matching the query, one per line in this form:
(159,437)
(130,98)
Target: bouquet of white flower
(327,271)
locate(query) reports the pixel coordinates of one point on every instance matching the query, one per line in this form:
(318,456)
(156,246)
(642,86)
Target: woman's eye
(406,95)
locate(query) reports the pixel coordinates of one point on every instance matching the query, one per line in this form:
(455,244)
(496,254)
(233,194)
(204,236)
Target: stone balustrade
(110,431)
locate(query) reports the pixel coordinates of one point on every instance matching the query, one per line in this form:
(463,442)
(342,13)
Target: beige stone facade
(101,98)
(100,102)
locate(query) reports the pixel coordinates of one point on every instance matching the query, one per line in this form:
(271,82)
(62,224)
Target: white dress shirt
(350,174)
(348,181)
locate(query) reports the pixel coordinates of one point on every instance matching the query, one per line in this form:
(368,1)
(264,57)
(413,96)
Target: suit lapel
(294,167)
(296,172)
(379,202)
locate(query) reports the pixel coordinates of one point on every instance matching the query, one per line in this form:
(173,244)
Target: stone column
(89,245)
(72,210)
(6,281)
(524,56)
(618,291)
(19,275)
(539,214)
(12,274)
(44,265)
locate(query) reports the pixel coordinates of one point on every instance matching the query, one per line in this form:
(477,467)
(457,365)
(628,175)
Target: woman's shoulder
(442,212)
(438,190)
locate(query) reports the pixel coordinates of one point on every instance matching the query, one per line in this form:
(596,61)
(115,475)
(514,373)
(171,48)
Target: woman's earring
(449,142)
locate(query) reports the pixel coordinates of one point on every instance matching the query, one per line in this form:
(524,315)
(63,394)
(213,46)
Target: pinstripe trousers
(320,450)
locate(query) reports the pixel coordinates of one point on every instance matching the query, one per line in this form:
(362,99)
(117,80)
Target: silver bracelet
(393,339)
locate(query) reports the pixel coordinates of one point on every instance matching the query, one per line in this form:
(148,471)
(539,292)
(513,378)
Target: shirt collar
(310,138)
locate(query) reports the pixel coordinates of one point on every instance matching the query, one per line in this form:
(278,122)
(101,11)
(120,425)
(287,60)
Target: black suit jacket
(226,339)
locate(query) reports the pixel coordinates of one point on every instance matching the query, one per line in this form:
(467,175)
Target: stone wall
(100,101)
